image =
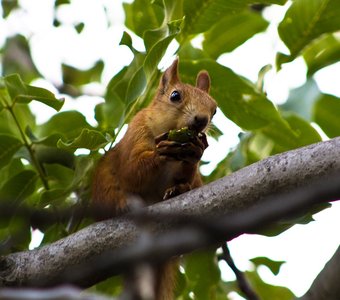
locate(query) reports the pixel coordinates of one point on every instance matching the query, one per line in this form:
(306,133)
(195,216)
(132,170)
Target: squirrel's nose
(199,123)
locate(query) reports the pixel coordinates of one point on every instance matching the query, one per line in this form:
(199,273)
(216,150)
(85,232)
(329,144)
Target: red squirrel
(147,164)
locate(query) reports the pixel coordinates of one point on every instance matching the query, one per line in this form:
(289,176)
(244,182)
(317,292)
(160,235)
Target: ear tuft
(170,76)
(203,81)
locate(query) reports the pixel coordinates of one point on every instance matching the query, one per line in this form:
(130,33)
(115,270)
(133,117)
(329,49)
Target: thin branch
(242,281)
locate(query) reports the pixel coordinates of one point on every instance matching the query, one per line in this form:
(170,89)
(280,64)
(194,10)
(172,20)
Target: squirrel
(147,164)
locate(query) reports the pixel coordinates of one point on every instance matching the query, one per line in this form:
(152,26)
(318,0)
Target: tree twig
(242,281)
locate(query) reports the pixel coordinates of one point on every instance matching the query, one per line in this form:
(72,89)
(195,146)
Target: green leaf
(54,197)
(306,134)
(16,58)
(18,187)
(305,21)
(67,123)
(88,139)
(23,93)
(201,15)
(142,15)
(126,40)
(326,114)
(79,27)
(8,6)
(267,291)
(78,77)
(157,51)
(136,86)
(274,266)
(322,53)
(301,100)
(9,145)
(53,155)
(14,167)
(231,31)
(197,266)
(59,175)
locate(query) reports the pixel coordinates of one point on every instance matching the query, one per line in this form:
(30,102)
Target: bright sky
(304,248)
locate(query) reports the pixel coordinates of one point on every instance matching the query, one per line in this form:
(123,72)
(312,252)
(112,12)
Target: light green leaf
(158,49)
(142,15)
(326,114)
(305,21)
(231,31)
(306,134)
(67,123)
(136,86)
(322,53)
(78,77)
(23,93)
(301,100)
(200,15)
(9,145)
(88,139)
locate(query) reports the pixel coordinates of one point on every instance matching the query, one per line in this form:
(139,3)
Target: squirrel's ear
(203,81)
(170,76)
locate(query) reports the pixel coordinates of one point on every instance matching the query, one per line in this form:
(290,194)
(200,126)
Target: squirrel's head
(183,105)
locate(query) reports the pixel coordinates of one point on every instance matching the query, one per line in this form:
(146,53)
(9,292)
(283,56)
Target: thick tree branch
(326,285)
(236,192)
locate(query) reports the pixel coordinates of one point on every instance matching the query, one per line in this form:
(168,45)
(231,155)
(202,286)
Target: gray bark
(230,194)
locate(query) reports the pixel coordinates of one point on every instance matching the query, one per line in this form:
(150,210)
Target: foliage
(42,167)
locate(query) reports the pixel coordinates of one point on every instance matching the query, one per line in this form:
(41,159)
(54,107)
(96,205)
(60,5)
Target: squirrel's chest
(168,175)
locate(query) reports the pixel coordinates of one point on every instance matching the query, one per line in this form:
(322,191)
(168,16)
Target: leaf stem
(29,148)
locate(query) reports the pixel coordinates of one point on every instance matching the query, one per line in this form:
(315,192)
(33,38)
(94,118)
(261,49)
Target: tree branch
(239,191)
(326,284)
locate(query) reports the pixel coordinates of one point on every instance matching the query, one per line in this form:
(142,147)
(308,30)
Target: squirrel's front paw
(176,190)
(188,152)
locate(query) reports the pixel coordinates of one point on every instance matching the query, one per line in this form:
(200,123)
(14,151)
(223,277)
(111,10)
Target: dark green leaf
(55,197)
(18,187)
(9,145)
(274,266)
(88,139)
(305,21)
(322,53)
(79,27)
(53,155)
(232,31)
(326,114)
(59,175)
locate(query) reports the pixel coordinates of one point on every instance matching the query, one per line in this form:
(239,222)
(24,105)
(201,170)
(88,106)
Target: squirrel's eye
(175,96)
